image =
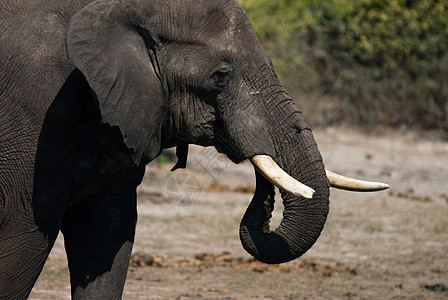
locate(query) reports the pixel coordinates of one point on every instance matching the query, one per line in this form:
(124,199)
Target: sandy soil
(387,245)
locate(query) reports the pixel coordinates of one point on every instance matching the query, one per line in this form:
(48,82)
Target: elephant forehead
(195,21)
(220,22)
(206,32)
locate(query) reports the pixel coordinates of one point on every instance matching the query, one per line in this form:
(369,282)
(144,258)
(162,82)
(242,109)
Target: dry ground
(386,245)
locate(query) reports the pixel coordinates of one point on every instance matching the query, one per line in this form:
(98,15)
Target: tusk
(350,184)
(272,172)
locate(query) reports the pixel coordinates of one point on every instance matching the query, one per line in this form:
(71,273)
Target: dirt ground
(386,245)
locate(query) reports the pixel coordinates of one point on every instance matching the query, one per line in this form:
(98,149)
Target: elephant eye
(221,78)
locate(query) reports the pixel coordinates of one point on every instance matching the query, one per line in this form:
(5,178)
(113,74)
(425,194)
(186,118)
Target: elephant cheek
(245,136)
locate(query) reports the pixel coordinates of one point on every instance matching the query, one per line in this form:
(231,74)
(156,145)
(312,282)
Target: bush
(372,62)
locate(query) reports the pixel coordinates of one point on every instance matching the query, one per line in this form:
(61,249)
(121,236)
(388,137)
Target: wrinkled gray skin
(90,93)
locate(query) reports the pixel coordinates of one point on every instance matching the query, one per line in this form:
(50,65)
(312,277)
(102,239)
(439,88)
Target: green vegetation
(371,228)
(162,159)
(365,62)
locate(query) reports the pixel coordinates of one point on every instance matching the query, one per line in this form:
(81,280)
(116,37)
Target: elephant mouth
(282,180)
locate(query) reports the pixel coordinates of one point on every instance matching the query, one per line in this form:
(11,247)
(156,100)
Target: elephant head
(171,73)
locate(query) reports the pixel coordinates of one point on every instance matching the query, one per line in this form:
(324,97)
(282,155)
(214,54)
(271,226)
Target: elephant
(92,91)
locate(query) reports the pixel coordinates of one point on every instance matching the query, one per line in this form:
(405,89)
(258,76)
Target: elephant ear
(114,56)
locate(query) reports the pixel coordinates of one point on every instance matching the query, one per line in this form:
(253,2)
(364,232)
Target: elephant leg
(98,240)
(24,248)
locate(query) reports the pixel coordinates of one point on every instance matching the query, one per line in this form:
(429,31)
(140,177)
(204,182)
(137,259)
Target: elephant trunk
(303,219)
